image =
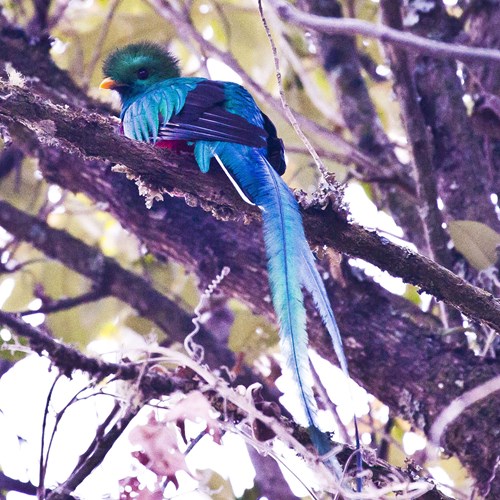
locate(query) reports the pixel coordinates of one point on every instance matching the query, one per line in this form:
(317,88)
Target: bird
(221,121)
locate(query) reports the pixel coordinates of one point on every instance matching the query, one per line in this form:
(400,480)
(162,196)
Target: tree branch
(384,335)
(93,136)
(419,140)
(404,40)
(109,278)
(9,484)
(51,306)
(68,359)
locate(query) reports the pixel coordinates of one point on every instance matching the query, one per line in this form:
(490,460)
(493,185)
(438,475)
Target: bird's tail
(283,237)
(291,268)
(313,283)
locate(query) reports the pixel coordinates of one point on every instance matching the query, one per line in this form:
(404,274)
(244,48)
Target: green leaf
(411,294)
(396,454)
(475,241)
(250,334)
(220,487)
(252,494)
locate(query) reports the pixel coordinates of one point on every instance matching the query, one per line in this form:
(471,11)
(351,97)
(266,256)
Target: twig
(386,439)
(65,357)
(99,43)
(351,8)
(64,304)
(44,458)
(100,449)
(325,399)
(59,11)
(6,269)
(9,484)
(407,41)
(311,87)
(396,180)
(491,335)
(265,449)
(39,22)
(492,477)
(350,152)
(459,405)
(44,461)
(288,112)
(195,441)
(100,432)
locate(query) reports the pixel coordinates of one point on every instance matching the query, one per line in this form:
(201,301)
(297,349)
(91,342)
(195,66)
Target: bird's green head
(132,69)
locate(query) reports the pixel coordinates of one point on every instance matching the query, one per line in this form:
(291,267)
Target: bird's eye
(142,74)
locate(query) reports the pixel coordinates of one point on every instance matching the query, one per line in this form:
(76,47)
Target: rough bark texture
(35,121)
(461,168)
(484,80)
(436,239)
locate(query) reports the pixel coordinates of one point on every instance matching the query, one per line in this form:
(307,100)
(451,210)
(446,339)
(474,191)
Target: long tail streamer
(291,269)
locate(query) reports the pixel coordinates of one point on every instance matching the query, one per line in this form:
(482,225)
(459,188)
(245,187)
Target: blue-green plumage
(221,120)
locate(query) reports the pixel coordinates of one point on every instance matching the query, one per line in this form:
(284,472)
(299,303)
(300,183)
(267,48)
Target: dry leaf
(475,241)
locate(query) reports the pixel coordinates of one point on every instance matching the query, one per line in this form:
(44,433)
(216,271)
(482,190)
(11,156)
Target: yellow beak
(108,83)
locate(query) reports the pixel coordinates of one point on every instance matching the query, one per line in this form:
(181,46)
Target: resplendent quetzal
(221,120)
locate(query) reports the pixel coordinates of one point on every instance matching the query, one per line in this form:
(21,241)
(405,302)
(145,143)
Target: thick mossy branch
(93,136)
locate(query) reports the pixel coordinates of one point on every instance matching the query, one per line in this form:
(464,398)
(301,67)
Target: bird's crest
(133,69)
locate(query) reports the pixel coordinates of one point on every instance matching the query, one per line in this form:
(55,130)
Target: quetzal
(221,120)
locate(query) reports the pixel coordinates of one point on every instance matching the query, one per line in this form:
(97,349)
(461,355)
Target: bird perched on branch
(221,120)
